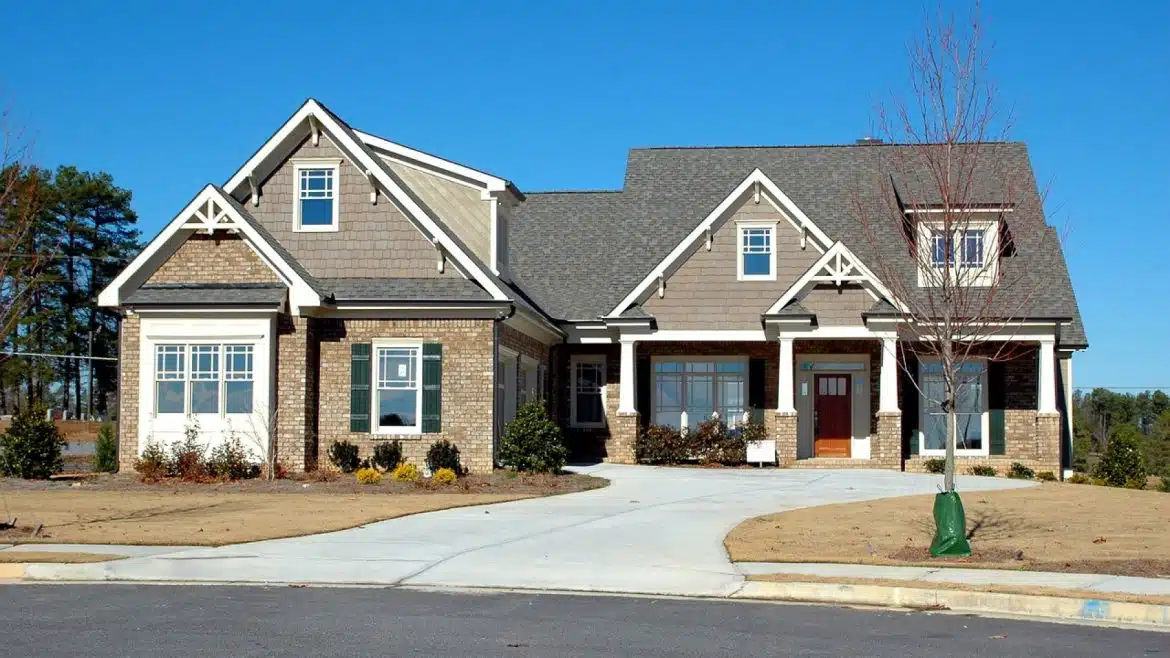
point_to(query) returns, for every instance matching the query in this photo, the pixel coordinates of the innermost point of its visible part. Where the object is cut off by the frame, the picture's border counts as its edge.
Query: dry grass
(1053, 527)
(55, 557)
(1001, 589)
(78, 516)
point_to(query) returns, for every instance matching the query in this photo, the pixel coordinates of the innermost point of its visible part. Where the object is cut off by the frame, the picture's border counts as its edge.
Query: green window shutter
(359, 387)
(757, 379)
(995, 401)
(644, 390)
(432, 388)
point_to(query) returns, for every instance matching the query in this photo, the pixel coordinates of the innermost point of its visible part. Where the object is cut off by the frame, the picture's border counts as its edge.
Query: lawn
(121, 510)
(1053, 527)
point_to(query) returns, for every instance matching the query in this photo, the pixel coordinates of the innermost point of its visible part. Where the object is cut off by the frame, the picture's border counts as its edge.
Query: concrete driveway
(653, 531)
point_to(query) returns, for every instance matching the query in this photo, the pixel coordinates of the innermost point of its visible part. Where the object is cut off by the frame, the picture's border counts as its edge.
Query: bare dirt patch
(55, 557)
(1053, 527)
(118, 509)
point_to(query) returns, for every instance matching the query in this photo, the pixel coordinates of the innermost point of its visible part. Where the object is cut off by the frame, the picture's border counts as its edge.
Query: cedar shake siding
(835, 306)
(218, 258)
(372, 241)
(459, 206)
(704, 292)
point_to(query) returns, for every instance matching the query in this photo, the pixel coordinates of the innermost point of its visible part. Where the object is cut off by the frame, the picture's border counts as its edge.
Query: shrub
(443, 455)
(1078, 478)
(188, 456)
(344, 455)
(1164, 484)
(387, 455)
(405, 472)
(660, 444)
(368, 475)
(983, 469)
(935, 465)
(715, 443)
(1122, 460)
(105, 455)
(1018, 471)
(1135, 483)
(444, 476)
(1046, 476)
(532, 442)
(230, 460)
(154, 464)
(31, 448)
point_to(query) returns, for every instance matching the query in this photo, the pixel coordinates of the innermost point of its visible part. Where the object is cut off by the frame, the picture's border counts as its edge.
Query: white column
(889, 378)
(787, 395)
(626, 382)
(1046, 396)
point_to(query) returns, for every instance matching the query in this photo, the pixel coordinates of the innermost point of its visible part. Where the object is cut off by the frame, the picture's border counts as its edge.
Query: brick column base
(1048, 441)
(623, 437)
(885, 449)
(785, 423)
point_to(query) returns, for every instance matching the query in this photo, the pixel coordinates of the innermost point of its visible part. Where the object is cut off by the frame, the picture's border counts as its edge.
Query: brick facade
(218, 258)
(885, 447)
(297, 350)
(786, 438)
(468, 386)
(128, 391)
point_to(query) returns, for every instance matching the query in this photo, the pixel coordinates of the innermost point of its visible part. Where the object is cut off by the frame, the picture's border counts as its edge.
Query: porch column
(626, 382)
(889, 377)
(786, 401)
(1046, 396)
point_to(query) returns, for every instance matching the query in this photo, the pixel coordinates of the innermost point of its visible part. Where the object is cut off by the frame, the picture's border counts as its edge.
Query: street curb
(12, 571)
(991, 603)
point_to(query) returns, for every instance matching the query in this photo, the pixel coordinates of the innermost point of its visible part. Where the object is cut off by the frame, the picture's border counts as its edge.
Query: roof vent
(869, 141)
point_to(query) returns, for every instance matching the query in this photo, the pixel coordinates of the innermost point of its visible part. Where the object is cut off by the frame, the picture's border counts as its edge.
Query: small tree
(31, 448)
(105, 456)
(261, 433)
(1122, 462)
(533, 442)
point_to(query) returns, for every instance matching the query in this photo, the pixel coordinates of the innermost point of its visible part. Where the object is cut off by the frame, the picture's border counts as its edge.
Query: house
(340, 286)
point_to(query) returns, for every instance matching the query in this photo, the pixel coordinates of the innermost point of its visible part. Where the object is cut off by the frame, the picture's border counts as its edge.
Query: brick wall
(297, 349)
(218, 258)
(468, 386)
(128, 391)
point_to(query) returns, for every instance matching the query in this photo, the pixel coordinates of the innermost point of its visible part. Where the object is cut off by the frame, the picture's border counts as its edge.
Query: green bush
(1078, 478)
(937, 466)
(1018, 471)
(230, 460)
(154, 464)
(1122, 461)
(982, 469)
(1135, 483)
(105, 455)
(344, 455)
(31, 448)
(1164, 484)
(387, 455)
(1046, 476)
(443, 454)
(532, 442)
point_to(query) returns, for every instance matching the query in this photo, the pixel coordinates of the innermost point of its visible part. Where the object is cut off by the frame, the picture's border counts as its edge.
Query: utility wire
(59, 356)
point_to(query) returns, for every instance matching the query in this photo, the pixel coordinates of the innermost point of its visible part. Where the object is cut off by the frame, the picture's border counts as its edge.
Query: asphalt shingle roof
(201, 294)
(579, 253)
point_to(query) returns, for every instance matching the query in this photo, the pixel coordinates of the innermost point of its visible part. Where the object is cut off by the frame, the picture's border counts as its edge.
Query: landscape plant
(1122, 461)
(443, 455)
(31, 447)
(533, 442)
(405, 472)
(387, 455)
(982, 469)
(105, 455)
(1018, 471)
(444, 476)
(368, 475)
(344, 455)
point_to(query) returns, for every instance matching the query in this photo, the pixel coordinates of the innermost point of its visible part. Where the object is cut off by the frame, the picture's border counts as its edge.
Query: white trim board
(208, 211)
(366, 161)
(431, 163)
(843, 266)
(755, 183)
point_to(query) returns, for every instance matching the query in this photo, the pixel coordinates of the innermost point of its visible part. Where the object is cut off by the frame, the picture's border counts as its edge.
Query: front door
(833, 415)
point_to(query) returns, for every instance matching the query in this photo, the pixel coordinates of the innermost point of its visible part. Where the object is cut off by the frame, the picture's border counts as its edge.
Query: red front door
(833, 405)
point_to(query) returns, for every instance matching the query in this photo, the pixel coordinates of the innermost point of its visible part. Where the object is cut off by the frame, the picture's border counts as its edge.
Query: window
(397, 396)
(700, 388)
(757, 256)
(971, 249)
(941, 249)
(969, 243)
(970, 409)
(220, 377)
(316, 200)
(588, 391)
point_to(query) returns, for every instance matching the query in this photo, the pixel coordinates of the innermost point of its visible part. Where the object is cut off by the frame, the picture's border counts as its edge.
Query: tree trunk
(952, 436)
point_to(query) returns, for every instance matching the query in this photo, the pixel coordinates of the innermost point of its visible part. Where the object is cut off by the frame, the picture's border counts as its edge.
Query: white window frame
(574, 361)
(985, 273)
(189, 377)
(375, 372)
(655, 360)
(305, 164)
(741, 229)
(985, 416)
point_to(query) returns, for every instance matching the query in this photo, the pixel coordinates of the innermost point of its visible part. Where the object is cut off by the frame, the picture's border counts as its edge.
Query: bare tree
(960, 215)
(261, 432)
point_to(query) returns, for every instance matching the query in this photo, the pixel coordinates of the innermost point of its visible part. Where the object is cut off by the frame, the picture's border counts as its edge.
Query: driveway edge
(990, 603)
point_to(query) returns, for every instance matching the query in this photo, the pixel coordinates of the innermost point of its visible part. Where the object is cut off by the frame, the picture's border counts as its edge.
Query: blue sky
(552, 94)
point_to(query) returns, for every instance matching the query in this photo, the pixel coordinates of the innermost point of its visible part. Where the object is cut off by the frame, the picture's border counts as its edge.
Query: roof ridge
(575, 192)
(803, 146)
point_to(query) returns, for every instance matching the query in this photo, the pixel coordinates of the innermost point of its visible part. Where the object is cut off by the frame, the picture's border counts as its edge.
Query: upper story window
(966, 250)
(316, 201)
(970, 248)
(757, 252)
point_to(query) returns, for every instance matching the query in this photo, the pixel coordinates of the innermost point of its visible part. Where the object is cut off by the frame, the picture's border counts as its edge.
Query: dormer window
(968, 252)
(316, 200)
(970, 248)
(757, 253)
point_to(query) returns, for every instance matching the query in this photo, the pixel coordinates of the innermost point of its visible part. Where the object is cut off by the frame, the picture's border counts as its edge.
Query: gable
(373, 240)
(461, 206)
(835, 307)
(217, 258)
(705, 293)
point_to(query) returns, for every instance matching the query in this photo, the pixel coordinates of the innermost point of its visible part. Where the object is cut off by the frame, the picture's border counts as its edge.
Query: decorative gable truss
(758, 187)
(212, 210)
(837, 266)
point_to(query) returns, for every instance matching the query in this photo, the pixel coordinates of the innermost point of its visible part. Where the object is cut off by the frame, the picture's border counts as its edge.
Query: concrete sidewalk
(925, 576)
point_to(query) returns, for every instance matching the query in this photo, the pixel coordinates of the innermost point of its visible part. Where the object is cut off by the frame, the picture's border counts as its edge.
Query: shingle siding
(838, 306)
(705, 293)
(459, 206)
(372, 240)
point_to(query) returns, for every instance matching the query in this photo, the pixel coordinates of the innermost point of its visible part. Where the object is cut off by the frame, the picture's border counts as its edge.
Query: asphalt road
(156, 620)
